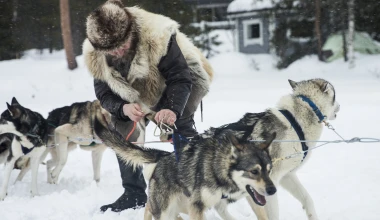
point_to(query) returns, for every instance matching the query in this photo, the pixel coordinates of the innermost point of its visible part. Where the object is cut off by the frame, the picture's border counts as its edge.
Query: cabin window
(253, 32)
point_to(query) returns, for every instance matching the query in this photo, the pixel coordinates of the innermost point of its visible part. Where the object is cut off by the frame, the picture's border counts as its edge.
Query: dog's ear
(293, 84)
(268, 142)
(14, 101)
(13, 110)
(326, 87)
(235, 142)
(10, 109)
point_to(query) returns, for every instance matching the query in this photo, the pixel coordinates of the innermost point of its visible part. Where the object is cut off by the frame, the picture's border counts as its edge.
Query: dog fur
(29, 135)
(71, 126)
(322, 93)
(62, 131)
(207, 169)
(21, 164)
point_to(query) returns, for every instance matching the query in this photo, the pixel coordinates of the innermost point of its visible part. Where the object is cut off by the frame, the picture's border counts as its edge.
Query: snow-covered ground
(342, 179)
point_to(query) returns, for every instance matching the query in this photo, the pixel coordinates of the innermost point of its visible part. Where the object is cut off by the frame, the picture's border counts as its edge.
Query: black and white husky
(29, 140)
(33, 137)
(21, 164)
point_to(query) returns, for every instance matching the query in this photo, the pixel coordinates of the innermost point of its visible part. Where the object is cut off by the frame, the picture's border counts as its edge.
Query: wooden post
(66, 34)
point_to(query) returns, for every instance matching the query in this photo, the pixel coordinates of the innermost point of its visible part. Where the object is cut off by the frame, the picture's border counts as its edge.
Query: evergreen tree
(367, 17)
(10, 47)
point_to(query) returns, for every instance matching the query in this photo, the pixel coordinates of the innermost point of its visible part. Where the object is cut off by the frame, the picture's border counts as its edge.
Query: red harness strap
(131, 132)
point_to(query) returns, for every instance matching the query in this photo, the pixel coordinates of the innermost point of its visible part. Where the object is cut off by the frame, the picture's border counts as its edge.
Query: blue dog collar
(316, 110)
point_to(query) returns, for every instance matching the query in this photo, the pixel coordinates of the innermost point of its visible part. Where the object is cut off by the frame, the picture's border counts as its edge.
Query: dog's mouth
(259, 199)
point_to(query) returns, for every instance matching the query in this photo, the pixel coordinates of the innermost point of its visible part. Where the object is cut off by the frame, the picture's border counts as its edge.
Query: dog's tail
(130, 153)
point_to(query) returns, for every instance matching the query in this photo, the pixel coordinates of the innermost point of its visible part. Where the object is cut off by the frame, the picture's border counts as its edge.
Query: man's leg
(134, 185)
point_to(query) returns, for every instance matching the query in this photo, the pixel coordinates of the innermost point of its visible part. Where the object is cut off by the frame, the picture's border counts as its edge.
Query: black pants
(132, 180)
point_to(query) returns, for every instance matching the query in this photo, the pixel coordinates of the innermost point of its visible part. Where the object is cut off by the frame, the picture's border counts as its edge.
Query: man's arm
(175, 70)
(109, 100)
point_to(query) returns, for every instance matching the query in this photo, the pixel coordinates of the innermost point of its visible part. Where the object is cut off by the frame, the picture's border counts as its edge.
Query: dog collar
(313, 106)
(298, 130)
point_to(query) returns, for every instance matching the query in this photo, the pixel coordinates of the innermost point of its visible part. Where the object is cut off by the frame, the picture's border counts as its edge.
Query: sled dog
(205, 170)
(71, 126)
(29, 141)
(62, 131)
(21, 164)
(298, 116)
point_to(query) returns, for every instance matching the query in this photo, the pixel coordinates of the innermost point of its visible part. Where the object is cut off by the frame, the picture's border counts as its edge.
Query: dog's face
(321, 92)
(252, 169)
(16, 119)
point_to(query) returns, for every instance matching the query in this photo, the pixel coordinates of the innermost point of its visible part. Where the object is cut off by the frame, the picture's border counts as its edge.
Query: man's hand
(133, 111)
(166, 116)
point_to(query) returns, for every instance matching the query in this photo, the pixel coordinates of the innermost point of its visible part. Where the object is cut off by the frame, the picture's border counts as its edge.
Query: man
(142, 63)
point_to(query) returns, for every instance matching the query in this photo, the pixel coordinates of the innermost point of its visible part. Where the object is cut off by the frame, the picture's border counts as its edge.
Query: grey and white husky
(70, 126)
(206, 170)
(298, 115)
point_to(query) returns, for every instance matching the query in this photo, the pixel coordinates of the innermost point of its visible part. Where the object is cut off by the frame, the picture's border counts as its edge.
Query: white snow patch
(243, 83)
(250, 5)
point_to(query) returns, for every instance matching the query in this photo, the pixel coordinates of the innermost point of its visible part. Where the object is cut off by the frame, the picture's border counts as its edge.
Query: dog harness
(297, 126)
(298, 130)
(178, 142)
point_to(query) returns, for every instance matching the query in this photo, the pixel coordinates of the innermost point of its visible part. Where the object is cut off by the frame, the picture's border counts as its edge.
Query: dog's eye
(255, 172)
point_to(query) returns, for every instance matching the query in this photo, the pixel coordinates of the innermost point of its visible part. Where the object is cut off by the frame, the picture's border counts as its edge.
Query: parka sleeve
(175, 70)
(109, 100)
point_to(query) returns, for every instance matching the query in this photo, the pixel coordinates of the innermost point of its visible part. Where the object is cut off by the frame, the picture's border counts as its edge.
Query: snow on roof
(250, 5)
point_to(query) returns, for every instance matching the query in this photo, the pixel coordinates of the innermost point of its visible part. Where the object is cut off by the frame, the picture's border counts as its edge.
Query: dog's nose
(271, 190)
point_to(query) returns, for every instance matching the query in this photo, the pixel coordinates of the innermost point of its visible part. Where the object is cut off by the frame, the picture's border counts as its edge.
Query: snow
(341, 178)
(249, 5)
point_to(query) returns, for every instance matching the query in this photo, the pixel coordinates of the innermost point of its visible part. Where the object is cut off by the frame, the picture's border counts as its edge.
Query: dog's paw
(54, 175)
(53, 179)
(312, 217)
(2, 196)
(50, 180)
(34, 194)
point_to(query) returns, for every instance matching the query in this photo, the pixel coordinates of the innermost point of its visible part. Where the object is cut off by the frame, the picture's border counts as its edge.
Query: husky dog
(64, 128)
(71, 126)
(22, 163)
(5, 144)
(298, 116)
(206, 169)
(29, 140)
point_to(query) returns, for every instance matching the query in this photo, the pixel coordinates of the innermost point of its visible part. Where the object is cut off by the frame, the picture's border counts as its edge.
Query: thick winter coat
(166, 69)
